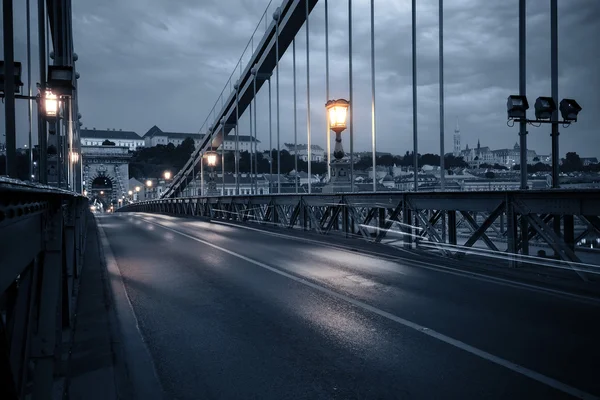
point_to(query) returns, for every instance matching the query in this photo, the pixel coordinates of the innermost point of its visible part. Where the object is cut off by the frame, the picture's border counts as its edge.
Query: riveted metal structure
(490, 218)
(42, 240)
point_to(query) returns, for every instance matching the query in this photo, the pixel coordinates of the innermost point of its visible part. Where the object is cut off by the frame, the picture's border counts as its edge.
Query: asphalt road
(231, 313)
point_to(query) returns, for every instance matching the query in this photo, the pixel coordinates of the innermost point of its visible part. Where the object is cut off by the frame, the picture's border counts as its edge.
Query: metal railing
(503, 225)
(42, 239)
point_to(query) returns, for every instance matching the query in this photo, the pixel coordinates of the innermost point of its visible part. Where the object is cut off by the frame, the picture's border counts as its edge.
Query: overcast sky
(164, 62)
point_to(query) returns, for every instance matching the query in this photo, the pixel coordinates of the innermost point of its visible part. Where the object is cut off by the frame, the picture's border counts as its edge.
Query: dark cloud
(164, 62)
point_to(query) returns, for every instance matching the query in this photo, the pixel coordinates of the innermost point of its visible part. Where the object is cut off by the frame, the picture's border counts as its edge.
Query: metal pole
(70, 161)
(441, 68)
(202, 175)
(255, 137)
(223, 165)
(237, 135)
(522, 90)
(277, 95)
(251, 141)
(327, 134)
(351, 98)
(270, 141)
(373, 132)
(9, 92)
(554, 90)
(30, 101)
(295, 113)
(308, 146)
(414, 95)
(42, 127)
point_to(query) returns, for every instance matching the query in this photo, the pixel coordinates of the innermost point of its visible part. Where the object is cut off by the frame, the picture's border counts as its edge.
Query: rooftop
(109, 134)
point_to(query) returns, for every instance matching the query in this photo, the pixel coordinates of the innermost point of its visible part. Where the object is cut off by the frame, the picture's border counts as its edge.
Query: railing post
(45, 339)
(511, 227)
(69, 258)
(381, 220)
(452, 227)
(406, 223)
(569, 228)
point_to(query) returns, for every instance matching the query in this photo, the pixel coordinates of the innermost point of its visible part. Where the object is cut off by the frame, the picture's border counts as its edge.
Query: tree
(108, 143)
(429, 159)
(572, 163)
(536, 159)
(490, 175)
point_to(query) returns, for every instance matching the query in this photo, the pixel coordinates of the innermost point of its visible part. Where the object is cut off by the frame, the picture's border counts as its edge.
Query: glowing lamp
(50, 104)
(211, 158)
(337, 111)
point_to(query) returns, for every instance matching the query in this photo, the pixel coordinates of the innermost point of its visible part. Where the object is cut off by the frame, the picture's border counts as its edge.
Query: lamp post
(337, 113)
(130, 193)
(545, 112)
(148, 189)
(211, 160)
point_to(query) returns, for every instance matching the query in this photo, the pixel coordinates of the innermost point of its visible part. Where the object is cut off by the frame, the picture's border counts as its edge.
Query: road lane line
(409, 324)
(430, 266)
(139, 363)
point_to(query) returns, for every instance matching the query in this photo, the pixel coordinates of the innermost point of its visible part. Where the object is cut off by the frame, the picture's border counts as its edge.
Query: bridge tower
(106, 172)
(456, 140)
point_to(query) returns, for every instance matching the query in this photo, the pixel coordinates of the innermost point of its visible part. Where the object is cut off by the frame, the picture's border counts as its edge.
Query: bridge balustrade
(42, 242)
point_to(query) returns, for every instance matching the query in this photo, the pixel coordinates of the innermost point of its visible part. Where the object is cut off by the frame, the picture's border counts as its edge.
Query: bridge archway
(102, 189)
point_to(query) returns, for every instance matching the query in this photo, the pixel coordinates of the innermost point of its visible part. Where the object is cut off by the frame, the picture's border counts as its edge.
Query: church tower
(456, 140)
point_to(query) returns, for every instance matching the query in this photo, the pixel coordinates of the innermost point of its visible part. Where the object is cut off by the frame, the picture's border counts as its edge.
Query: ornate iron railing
(451, 223)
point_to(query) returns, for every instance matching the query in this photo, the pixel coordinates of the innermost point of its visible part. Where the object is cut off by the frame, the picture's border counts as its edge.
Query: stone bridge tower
(106, 172)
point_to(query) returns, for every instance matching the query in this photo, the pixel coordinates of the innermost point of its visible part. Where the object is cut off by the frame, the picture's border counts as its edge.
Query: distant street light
(211, 160)
(167, 175)
(130, 192)
(102, 193)
(137, 188)
(149, 183)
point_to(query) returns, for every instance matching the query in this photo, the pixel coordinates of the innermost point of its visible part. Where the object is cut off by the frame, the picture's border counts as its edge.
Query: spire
(456, 130)
(478, 145)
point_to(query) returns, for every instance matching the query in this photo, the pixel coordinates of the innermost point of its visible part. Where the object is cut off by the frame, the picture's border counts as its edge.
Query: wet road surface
(232, 313)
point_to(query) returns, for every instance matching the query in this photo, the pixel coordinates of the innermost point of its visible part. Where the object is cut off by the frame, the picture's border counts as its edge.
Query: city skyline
(163, 58)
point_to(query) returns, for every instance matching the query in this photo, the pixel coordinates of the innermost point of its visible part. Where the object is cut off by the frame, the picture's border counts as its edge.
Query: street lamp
(167, 175)
(211, 159)
(50, 104)
(102, 193)
(137, 188)
(337, 112)
(149, 183)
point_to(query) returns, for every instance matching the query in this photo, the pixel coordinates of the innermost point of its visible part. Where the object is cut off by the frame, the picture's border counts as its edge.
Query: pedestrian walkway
(91, 370)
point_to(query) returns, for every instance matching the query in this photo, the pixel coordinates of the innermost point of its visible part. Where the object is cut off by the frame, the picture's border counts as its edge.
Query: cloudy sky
(164, 62)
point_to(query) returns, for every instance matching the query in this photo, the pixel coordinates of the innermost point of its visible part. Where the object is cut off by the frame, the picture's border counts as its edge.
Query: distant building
(317, 153)
(155, 136)
(589, 161)
(484, 155)
(121, 138)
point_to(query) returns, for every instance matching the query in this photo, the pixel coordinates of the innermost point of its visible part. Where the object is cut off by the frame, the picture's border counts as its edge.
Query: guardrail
(42, 239)
(435, 220)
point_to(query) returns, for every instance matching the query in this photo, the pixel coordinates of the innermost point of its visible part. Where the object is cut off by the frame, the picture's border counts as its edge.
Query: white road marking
(430, 266)
(409, 324)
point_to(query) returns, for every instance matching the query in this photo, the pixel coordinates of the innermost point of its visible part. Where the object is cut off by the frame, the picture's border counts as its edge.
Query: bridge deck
(231, 313)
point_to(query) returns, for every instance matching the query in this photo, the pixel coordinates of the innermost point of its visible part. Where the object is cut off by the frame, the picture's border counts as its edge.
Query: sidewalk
(93, 370)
